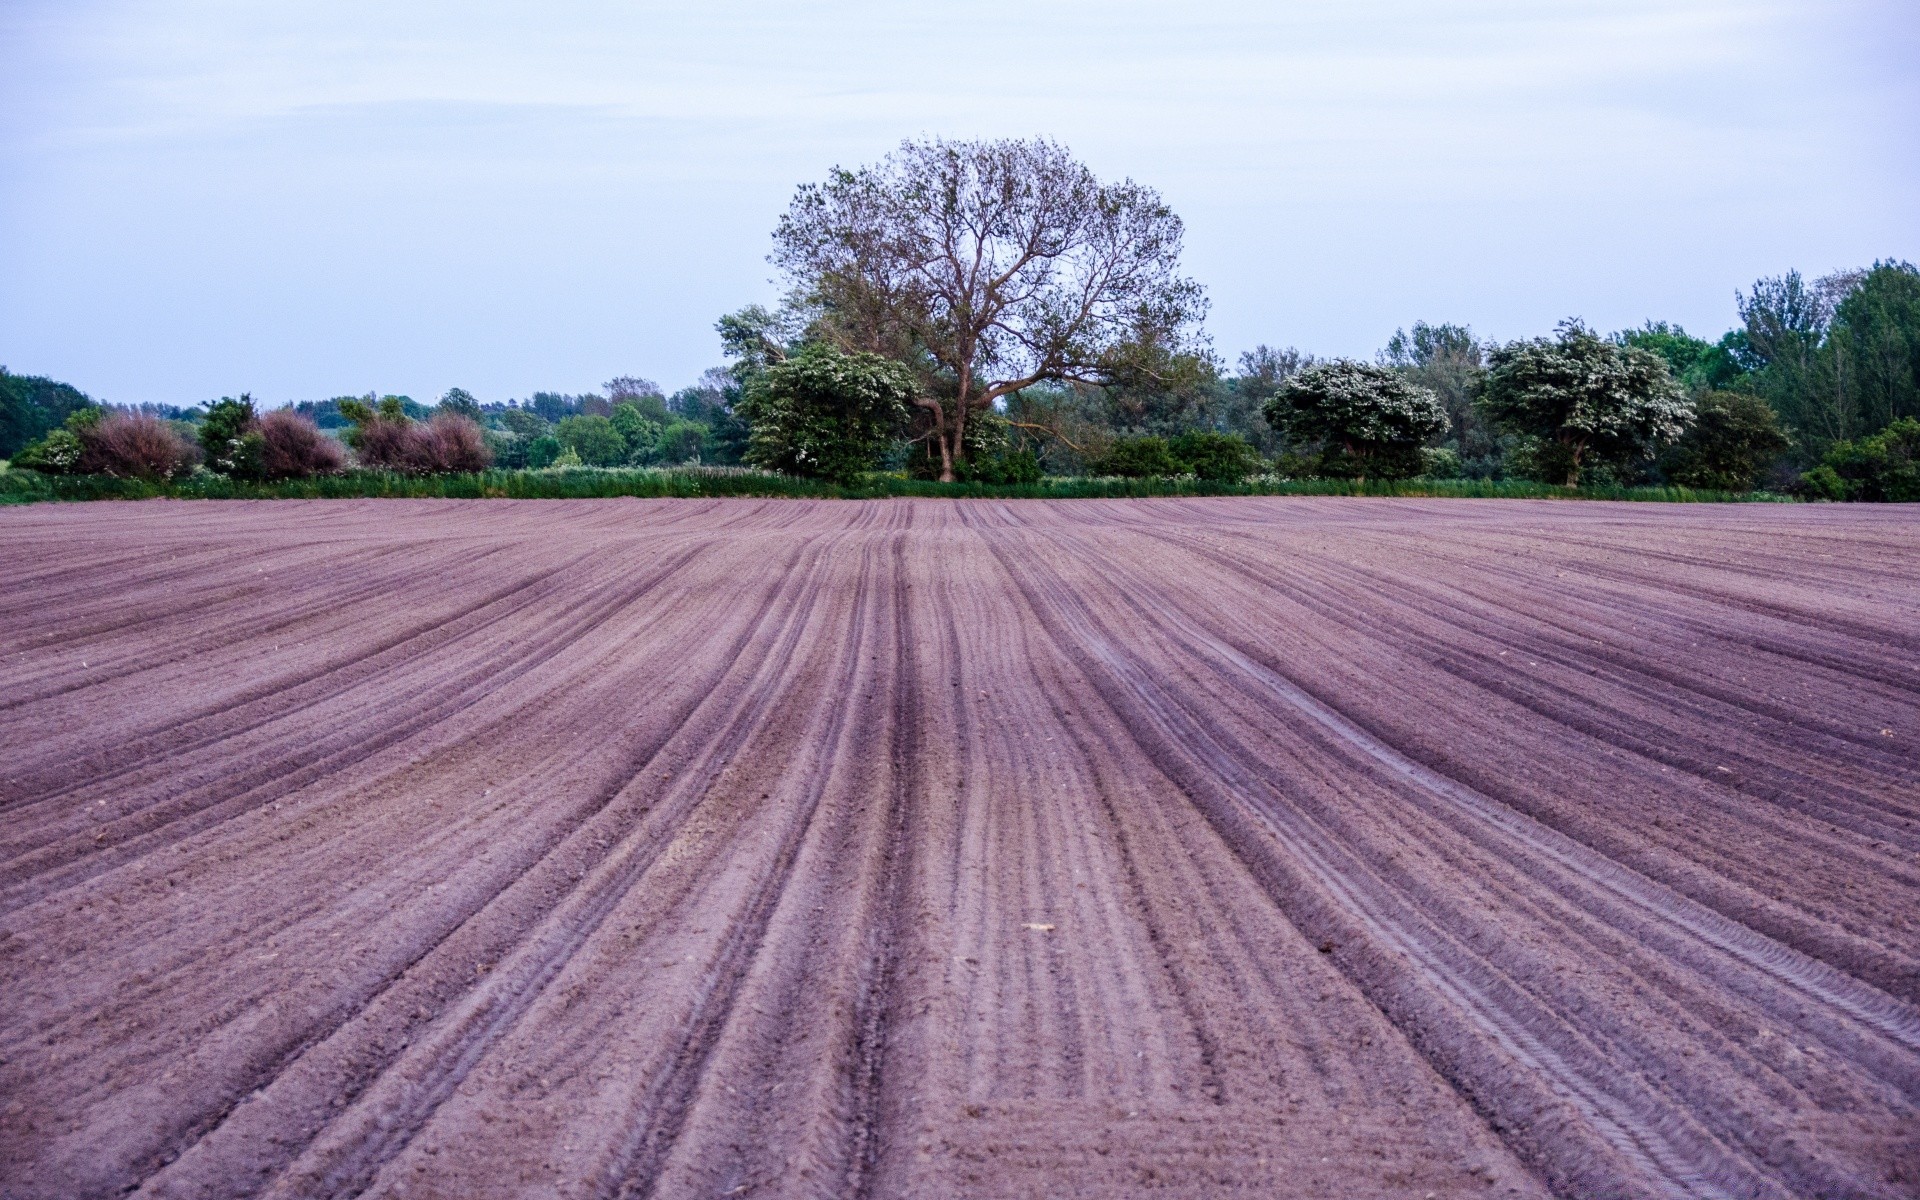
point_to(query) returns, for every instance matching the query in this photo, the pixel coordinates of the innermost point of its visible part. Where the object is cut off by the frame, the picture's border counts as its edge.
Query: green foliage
(1368, 420)
(1883, 468)
(460, 402)
(1217, 457)
(230, 436)
(640, 433)
(31, 406)
(1145, 457)
(1439, 462)
(593, 439)
(22, 486)
(58, 453)
(824, 414)
(543, 451)
(1874, 343)
(1839, 357)
(1579, 398)
(522, 423)
(1734, 438)
(1446, 360)
(681, 442)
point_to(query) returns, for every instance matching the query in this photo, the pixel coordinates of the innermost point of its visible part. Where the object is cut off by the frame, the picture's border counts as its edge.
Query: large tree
(987, 267)
(1579, 396)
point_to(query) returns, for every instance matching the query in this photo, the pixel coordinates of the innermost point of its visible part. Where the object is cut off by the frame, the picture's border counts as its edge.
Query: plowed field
(1186, 848)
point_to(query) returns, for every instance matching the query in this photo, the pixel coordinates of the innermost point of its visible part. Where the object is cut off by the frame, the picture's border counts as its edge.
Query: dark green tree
(460, 402)
(31, 406)
(1734, 438)
(1883, 468)
(594, 439)
(640, 432)
(230, 437)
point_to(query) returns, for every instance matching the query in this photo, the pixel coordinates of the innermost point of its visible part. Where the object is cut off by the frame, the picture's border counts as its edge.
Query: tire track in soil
(38, 874)
(352, 1059)
(823, 1023)
(1656, 1147)
(1871, 816)
(699, 1133)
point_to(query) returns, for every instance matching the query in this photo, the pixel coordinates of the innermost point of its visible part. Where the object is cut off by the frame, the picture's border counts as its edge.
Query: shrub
(58, 453)
(1215, 457)
(455, 444)
(135, 447)
(444, 445)
(1884, 467)
(1005, 468)
(1368, 420)
(292, 447)
(1138, 458)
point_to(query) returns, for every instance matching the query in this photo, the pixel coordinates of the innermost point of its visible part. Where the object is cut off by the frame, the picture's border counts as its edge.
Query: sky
(308, 198)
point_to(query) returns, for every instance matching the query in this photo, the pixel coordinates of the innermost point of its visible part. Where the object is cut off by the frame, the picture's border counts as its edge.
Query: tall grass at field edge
(25, 487)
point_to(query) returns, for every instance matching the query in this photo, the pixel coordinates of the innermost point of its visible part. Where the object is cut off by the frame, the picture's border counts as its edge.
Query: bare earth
(1173, 848)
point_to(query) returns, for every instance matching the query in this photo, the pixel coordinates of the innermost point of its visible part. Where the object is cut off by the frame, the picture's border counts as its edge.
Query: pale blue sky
(303, 198)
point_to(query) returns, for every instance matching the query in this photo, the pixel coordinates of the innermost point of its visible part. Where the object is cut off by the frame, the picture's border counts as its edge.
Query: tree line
(992, 312)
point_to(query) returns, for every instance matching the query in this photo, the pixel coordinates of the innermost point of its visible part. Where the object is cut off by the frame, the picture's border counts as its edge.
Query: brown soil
(1174, 848)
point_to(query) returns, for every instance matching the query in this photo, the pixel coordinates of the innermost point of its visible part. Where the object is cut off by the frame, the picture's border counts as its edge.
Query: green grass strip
(25, 487)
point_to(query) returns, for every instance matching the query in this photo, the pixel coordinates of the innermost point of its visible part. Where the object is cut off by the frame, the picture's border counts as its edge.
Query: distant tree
(1446, 360)
(552, 407)
(1580, 398)
(825, 414)
(230, 437)
(1369, 421)
(594, 439)
(1682, 351)
(544, 451)
(681, 442)
(1146, 457)
(325, 414)
(985, 268)
(1883, 468)
(1215, 457)
(460, 403)
(1240, 404)
(1873, 345)
(522, 422)
(640, 433)
(31, 406)
(1733, 439)
(1786, 320)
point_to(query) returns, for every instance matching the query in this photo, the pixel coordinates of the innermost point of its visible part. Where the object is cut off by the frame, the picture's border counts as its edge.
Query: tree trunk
(1576, 449)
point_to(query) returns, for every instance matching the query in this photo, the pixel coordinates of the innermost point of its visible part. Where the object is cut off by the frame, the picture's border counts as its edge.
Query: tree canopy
(1370, 420)
(1580, 396)
(985, 267)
